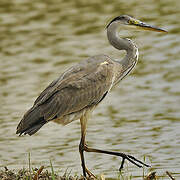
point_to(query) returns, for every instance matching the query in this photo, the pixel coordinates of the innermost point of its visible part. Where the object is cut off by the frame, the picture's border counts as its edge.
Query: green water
(39, 39)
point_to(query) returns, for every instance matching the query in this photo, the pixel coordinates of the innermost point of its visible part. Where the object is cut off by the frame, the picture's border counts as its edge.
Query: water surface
(141, 116)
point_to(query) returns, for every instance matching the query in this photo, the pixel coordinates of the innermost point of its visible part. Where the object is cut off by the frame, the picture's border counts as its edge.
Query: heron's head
(129, 22)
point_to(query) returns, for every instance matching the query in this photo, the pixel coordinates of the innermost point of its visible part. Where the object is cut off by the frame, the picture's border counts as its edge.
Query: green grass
(52, 171)
(43, 173)
(29, 163)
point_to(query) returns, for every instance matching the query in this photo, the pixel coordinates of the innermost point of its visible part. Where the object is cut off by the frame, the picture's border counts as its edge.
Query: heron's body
(92, 82)
(77, 90)
(81, 88)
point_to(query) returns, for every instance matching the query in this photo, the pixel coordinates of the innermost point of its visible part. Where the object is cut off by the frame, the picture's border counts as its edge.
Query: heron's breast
(66, 119)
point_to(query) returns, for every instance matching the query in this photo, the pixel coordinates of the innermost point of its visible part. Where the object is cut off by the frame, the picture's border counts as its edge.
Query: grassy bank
(34, 174)
(42, 173)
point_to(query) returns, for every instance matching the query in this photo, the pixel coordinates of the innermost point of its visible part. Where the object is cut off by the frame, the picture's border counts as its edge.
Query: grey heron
(81, 88)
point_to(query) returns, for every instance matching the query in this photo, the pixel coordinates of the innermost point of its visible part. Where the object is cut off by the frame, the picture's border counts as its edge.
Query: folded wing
(82, 86)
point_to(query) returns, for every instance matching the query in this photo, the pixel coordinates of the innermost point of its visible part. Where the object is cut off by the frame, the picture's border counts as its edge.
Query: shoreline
(44, 174)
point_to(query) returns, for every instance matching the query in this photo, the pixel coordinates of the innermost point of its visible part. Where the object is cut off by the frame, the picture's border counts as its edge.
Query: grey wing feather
(81, 86)
(78, 90)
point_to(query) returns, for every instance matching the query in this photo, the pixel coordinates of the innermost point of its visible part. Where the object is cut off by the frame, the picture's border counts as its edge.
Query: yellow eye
(135, 22)
(132, 21)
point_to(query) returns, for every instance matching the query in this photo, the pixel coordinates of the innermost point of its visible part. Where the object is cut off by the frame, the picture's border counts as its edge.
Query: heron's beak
(141, 25)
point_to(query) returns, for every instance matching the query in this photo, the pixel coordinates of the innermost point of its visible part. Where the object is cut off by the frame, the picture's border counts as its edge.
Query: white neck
(130, 60)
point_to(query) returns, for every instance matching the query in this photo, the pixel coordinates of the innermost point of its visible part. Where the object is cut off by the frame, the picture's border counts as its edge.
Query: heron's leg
(83, 121)
(82, 145)
(90, 174)
(130, 158)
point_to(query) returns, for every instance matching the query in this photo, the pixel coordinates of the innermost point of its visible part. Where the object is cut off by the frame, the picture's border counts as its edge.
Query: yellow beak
(142, 25)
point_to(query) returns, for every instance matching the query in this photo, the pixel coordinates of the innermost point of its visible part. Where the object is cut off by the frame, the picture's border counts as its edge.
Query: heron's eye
(123, 18)
(130, 21)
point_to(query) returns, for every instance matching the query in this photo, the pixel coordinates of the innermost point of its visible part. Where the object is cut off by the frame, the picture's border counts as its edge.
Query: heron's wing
(81, 86)
(54, 86)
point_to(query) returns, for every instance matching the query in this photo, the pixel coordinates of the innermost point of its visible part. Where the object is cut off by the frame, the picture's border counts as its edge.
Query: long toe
(90, 174)
(140, 162)
(133, 160)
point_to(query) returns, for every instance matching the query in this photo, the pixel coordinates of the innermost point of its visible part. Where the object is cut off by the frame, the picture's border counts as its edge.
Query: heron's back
(77, 89)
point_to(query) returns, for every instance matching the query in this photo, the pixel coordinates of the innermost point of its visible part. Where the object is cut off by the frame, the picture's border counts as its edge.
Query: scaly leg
(81, 151)
(130, 158)
(82, 145)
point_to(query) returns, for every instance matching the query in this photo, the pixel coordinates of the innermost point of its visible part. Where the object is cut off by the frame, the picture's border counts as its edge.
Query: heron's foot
(90, 174)
(124, 157)
(133, 160)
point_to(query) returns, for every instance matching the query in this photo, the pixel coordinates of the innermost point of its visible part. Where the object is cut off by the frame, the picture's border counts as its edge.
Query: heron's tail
(31, 122)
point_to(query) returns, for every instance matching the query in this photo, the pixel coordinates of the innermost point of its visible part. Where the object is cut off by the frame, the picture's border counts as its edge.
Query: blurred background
(39, 39)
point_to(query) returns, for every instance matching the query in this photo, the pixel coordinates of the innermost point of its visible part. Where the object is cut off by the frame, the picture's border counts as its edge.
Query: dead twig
(168, 173)
(6, 169)
(151, 176)
(38, 173)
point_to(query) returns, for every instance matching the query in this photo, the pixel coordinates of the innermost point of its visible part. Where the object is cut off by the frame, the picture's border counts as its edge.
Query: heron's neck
(123, 44)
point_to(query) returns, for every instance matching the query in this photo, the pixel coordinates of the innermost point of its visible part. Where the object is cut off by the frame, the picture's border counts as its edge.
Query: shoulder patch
(105, 62)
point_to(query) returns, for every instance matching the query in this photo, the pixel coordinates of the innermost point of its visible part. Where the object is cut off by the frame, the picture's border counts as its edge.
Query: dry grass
(43, 174)
(35, 174)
